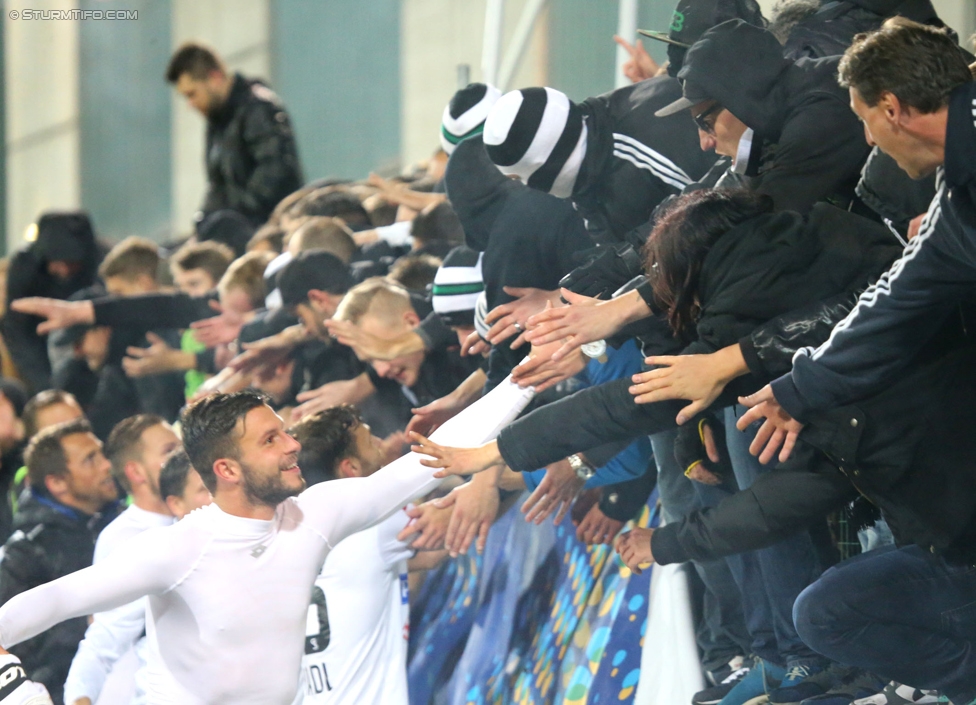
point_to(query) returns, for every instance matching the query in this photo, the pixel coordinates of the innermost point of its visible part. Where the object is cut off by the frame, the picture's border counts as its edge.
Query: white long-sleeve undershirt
(111, 634)
(228, 596)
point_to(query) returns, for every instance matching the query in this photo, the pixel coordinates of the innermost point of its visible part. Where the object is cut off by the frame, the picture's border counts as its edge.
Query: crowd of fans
(776, 226)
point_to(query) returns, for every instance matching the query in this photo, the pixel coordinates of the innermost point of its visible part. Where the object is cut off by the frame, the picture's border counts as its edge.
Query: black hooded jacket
(65, 237)
(49, 541)
(808, 145)
(252, 158)
(633, 159)
(529, 238)
(765, 267)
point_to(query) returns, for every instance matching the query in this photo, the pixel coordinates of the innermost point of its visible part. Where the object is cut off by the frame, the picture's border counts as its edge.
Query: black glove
(689, 447)
(608, 269)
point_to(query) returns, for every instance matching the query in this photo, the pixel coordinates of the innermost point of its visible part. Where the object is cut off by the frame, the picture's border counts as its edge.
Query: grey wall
(346, 124)
(124, 113)
(581, 48)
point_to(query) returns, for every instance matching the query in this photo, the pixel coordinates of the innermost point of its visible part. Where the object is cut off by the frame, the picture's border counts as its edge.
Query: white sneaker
(897, 694)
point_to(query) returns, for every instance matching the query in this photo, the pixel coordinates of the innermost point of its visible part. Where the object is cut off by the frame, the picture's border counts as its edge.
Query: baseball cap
(693, 95)
(692, 18)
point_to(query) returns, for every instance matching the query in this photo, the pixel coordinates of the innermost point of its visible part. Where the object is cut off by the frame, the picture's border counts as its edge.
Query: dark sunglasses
(702, 119)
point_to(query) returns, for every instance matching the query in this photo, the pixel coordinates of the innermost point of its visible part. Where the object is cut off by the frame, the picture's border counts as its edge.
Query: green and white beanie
(464, 116)
(457, 285)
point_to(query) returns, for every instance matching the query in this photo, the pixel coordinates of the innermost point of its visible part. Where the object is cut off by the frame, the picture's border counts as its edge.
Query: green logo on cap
(677, 22)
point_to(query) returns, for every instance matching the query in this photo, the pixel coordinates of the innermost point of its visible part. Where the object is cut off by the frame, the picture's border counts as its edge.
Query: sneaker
(858, 685)
(807, 681)
(754, 689)
(714, 695)
(897, 694)
(717, 676)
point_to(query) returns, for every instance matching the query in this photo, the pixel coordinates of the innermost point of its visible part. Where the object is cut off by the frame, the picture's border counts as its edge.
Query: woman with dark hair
(684, 235)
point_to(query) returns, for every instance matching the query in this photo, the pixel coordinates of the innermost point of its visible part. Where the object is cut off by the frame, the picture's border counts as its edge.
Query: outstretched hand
(220, 329)
(511, 318)
(159, 357)
(271, 350)
(429, 417)
(698, 378)
(428, 524)
(596, 527)
(541, 369)
(779, 430)
(58, 314)
(555, 493)
(455, 461)
(475, 508)
(582, 321)
(474, 344)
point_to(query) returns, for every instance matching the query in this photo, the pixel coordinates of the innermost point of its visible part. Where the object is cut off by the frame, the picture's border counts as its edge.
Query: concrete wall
(345, 125)
(42, 135)
(124, 119)
(960, 15)
(435, 37)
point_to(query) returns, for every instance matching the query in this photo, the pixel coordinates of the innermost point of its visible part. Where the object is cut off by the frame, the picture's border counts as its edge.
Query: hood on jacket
(832, 28)
(740, 66)
(67, 236)
(477, 191)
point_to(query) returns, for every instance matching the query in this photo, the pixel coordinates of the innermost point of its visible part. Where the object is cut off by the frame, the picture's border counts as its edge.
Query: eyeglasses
(702, 119)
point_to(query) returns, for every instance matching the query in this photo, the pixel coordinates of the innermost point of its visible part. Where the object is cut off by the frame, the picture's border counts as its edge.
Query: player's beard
(269, 490)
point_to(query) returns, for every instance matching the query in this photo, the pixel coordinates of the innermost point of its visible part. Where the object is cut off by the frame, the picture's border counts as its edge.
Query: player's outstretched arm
(150, 563)
(343, 507)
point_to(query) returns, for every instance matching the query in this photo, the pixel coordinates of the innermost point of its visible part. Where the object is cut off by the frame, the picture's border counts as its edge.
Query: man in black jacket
(72, 497)
(252, 159)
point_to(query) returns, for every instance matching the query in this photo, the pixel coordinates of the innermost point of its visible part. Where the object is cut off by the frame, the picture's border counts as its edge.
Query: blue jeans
(722, 634)
(745, 570)
(784, 569)
(901, 613)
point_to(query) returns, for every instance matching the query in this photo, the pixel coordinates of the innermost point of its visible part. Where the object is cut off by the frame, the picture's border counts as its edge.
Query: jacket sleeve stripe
(642, 164)
(882, 287)
(635, 147)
